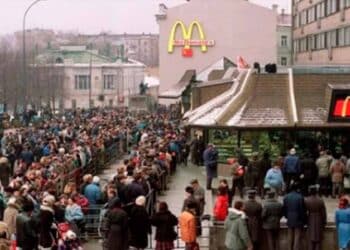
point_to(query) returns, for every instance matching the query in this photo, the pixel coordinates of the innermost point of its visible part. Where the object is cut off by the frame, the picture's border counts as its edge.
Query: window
(284, 42)
(284, 61)
(341, 38)
(320, 8)
(311, 14)
(111, 102)
(347, 3)
(82, 82)
(347, 35)
(92, 103)
(108, 81)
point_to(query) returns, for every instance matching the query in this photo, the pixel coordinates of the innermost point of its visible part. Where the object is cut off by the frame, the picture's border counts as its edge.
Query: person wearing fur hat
(46, 217)
(139, 223)
(93, 191)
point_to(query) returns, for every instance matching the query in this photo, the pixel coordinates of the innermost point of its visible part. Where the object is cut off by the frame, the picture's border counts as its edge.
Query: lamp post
(24, 53)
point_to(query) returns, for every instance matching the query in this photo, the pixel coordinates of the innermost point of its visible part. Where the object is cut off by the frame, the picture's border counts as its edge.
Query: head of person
(238, 205)
(223, 183)
(189, 190)
(251, 194)
(115, 203)
(313, 190)
(194, 183)
(343, 202)
(278, 162)
(191, 207)
(140, 201)
(163, 207)
(49, 200)
(96, 180)
(27, 206)
(87, 178)
(292, 151)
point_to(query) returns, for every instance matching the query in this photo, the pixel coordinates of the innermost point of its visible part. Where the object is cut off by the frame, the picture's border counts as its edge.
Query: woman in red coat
(221, 204)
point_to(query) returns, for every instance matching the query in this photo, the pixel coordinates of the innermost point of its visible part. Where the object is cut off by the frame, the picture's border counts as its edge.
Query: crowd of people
(37, 214)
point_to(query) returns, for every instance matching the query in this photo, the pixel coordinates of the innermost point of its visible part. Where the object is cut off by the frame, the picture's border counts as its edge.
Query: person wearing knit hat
(10, 215)
(139, 224)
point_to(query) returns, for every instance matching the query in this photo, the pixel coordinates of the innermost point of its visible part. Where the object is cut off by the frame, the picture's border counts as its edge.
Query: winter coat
(342, 221)
(237, 236)
(117, 229)
(10, 215)
(210, 158)
(294, 210)
(187, 224)
(323, 164)
(291, 165)
(164, 223)
(199, 195)
(253, 211)
(337, 170)
(140, 227)
(309, 170)
(264, 166)
(274, 178)
(271, 214)
(134, 190)
(317, 217)
(221, 207)
(46, 217)
(73, 213)
(93, 193)
(27, 238)
(5, 171)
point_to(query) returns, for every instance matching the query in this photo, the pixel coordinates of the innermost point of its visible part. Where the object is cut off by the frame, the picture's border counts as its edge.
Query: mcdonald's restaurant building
(198, 33)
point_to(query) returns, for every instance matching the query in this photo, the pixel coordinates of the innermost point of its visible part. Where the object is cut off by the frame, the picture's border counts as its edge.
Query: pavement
(175, 195)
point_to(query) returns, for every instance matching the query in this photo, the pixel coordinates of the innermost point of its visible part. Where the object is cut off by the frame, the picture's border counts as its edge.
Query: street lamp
(24, 52)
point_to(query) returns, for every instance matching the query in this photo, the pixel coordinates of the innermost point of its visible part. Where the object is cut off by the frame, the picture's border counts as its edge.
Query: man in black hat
(294, 211)
(271, 216)
(253, 210)
(317, 218)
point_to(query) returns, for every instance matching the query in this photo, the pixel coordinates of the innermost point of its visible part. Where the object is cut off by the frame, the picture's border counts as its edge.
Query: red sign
(342, 107)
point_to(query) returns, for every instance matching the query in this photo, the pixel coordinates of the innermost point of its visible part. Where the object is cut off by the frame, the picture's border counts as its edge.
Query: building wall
(126, 84)
(284, 50)
(230, 24)
(333, 29)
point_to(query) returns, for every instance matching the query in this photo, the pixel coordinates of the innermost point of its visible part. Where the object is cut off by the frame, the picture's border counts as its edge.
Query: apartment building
(321, 32)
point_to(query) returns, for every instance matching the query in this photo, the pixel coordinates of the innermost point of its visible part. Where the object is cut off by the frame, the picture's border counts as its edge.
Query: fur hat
(49, 200)
(96, 179)
(141, 200)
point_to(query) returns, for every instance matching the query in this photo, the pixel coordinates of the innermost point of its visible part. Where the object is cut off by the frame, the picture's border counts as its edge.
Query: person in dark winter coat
(253, 210)
(46, 216)
(252, 176)
(271, 215)
(291, 168)
(317, 219)
(309, 173)
(295, 213)
(27, 238)
(210, 158)
(139, 224)
(134, 189)
(116, 227)
(164, 221)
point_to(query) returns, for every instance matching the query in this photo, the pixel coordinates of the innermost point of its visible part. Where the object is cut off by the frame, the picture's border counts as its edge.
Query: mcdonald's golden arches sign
(187, 42)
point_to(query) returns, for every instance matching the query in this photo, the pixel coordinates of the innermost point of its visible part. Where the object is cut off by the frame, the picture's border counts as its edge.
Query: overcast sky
(91, 16)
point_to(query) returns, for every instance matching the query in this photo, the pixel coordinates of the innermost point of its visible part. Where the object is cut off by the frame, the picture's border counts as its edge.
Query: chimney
(283, 12)
(275, 7)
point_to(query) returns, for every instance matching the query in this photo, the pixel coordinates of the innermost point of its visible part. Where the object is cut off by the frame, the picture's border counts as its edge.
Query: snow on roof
(151, 81)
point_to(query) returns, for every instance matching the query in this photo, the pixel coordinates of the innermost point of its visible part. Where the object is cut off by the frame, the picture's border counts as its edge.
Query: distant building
(114, 80)
(321, 32)
(141, 47)
(284, 38)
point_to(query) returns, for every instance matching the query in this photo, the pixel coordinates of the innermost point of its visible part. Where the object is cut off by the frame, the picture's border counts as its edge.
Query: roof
(273, 101)
(284, 20)
(176, 91)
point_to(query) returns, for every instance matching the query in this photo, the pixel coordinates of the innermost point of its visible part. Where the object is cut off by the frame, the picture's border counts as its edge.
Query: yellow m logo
(345, 106)
(187, 41)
